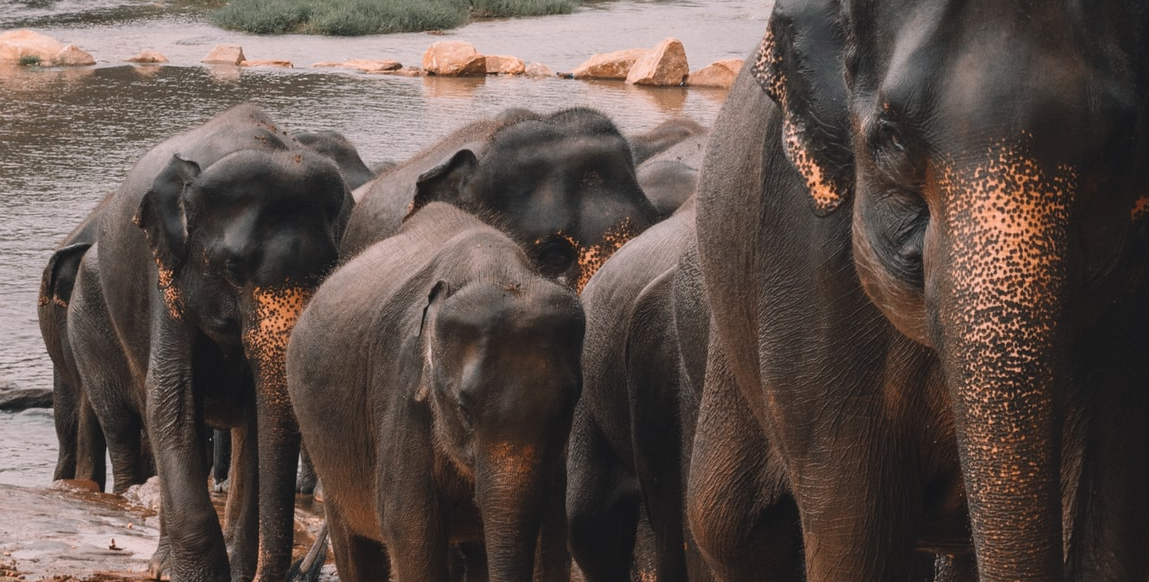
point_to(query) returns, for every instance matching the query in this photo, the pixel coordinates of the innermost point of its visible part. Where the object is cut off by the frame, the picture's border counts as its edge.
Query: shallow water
(68, 136)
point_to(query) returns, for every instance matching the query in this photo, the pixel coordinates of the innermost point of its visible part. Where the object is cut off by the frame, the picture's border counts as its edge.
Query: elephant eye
(555, 255)
(889, 136)
(233, 273)
(893, 152)
(465, 413)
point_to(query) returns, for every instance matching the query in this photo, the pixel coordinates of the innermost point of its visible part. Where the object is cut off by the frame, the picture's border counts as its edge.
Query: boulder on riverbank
(538, 70)
(454, 58)
(612, 65)
(720, 74)
(364, 65)
(225, 54)
(504, 65)
(28, 47)
(280, 64)
(664, 65)
(148, 58)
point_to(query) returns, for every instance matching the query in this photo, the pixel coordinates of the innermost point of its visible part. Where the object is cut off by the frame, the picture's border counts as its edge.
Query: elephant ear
(162, 216)
(800, 65)
(444, 183)
(435, 298)
(60, 273)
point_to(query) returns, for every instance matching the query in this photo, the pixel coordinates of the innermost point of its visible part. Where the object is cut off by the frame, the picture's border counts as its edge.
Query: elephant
(564, 176)
(336, 146)
(662, 137)
(921, 231)
(81, 442)
(453, 368)
(667, 184)
(633, 426)
(204, 258)
(668, 177)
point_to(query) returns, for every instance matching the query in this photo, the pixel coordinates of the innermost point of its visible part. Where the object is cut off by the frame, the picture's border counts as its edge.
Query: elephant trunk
(1000, 300)
(512, 492)
(265, 343)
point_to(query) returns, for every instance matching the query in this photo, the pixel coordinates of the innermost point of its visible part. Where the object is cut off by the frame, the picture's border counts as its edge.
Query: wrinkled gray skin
(80, 440)
(633, 427)
(668, 177)
(453, 368)
(179, 322)
(662, 137)
(922, 236)
(339, 149)
(667, 184)
(546, 180)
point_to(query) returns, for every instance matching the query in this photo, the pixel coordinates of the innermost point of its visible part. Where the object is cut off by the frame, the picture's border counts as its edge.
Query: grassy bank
(358, 17)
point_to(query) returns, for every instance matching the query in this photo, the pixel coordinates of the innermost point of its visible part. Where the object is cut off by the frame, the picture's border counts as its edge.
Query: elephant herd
(886, 320)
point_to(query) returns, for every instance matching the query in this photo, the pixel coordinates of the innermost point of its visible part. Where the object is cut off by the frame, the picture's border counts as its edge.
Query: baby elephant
(434, 377)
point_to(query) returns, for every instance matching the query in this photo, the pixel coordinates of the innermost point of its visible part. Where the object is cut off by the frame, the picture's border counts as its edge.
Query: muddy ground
(72, 533)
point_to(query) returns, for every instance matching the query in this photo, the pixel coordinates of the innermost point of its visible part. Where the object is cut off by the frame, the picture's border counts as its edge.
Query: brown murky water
(68, 136)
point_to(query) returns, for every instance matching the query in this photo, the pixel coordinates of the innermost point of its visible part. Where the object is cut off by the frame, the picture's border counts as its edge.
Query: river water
(69, 135)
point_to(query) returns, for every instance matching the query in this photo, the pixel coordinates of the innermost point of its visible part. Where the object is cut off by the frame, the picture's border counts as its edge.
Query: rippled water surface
(68, 136)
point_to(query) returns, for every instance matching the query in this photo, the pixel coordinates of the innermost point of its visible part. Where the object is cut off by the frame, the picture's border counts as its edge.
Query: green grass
(509, 8)
(358, 17)
(29, 61)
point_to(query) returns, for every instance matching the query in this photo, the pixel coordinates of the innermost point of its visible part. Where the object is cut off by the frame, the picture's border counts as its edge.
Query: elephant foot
(160, 566)
(221, 486)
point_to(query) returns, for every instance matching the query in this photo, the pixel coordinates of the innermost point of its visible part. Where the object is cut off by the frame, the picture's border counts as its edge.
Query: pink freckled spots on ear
(767, 70)
(1140, 209)
(826, 195)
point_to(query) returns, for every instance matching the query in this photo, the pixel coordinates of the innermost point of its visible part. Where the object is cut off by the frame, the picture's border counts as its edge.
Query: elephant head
(993, 156)
(549, 182)
(238, 243)
(502, 374)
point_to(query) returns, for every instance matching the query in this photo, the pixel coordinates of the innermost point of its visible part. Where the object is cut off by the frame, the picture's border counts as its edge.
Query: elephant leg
(221, 459)
(602, 505)
(412, 518)
(242, 511)
(122, 430)
(65, 416)
(91, 446)
(740, 511)
(106, 407)
(160, 564)
(655, 433)
(307, 480)
(357, 559)
(552, 560)
(956, 569)
(469, 563)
